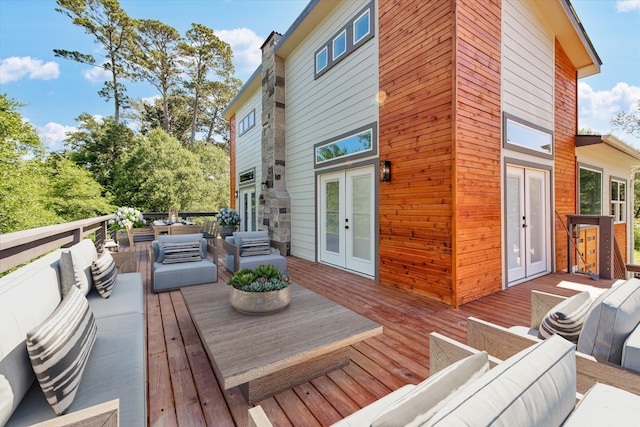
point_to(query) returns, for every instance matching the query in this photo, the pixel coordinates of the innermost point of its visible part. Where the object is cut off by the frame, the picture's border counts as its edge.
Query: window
(339, 45)
(351, 144)
(247, 122)
(346, 40)
(361, 27)
(322, 59)
(618, 200)
(521, 135)
(590, 188)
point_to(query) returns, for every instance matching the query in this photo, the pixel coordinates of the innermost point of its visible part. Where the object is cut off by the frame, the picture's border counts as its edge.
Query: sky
(56, 91)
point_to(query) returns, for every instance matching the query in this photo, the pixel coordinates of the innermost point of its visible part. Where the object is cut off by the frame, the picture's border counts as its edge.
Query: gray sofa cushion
(535, 387)
(610, 321)
(604, 405)
(117, 359)
(75, 266)
(631, 351)
(173, 276)
(127, 297)
(253, 262)
(59, 349)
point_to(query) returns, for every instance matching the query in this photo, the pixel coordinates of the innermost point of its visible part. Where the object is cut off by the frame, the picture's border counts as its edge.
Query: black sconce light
(385, 170)
(236, 194)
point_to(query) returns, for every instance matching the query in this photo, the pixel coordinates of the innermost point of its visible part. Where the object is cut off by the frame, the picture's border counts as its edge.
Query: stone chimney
(274, 210)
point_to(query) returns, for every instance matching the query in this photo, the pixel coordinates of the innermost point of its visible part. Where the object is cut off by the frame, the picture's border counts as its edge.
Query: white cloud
(53, 135)
(15, 68)
(97, 74)
(245, 45)
(627, 5)
(597, 108)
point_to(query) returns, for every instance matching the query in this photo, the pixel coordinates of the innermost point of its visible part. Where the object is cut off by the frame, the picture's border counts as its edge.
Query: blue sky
(56, 91)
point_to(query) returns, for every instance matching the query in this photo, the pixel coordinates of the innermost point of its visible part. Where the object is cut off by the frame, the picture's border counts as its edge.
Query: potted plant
(228, 219)
(124, 215)
(260, 291)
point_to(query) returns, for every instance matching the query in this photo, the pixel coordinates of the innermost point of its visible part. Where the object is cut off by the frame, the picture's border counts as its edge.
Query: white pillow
(6, 400)
(535, 387)
(430, 395)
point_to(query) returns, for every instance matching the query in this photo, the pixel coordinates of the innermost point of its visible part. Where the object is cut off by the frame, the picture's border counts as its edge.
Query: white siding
(527, 64)
(249, 145)
(337, 102)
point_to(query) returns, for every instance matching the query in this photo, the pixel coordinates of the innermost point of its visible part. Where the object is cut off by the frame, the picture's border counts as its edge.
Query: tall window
(618, 200)
(590, 187)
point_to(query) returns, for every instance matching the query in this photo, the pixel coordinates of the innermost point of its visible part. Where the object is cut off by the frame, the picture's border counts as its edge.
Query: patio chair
(250, 249)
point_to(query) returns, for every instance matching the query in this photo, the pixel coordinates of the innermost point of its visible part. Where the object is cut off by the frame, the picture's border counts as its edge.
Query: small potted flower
(122, 216)
(228, 219)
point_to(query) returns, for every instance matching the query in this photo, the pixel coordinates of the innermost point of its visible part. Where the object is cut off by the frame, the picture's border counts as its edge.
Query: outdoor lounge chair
(250, 249)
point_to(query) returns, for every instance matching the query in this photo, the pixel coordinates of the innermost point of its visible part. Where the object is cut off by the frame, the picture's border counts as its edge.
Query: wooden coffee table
(267, 354)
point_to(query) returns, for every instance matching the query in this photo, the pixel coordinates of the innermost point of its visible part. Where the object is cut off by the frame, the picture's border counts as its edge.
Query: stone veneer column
(274, 209)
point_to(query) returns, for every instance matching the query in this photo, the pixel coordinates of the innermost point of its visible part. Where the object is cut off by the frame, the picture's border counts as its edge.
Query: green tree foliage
(203, 54)
(36, 191)
(155, 59)
(98, 145)
(113, 30)
(73, 193)
(158, 173)
(214, 164)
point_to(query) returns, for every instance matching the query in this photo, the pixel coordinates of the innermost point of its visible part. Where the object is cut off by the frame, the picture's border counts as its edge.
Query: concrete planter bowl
(258, 303)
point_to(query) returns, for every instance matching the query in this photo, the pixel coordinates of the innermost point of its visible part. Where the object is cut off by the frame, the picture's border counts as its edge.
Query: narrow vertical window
(361, 27)
(618, 200)
(340, 45)
(322, 59)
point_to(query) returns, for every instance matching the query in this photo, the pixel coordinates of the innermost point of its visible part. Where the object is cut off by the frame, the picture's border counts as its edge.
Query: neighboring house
(471, 104)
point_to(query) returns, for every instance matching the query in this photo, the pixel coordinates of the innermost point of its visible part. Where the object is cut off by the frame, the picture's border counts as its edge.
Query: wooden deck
(183, 389)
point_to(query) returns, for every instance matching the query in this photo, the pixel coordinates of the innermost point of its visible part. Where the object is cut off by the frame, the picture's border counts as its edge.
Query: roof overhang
(609, 141)
(570, 33)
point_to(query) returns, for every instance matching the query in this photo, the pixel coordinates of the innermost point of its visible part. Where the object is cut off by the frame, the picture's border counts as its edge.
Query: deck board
(183, 390)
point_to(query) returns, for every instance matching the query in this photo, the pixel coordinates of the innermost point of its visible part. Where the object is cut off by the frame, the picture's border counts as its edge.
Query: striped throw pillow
(59, 349)
(257, 246)
(181, 252)
(104, 272)
(566, 319)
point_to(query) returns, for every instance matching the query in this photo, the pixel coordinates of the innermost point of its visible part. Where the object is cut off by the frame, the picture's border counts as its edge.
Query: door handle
(346, 227)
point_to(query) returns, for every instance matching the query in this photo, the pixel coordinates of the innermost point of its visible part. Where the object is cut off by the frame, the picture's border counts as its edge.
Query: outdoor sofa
(535, 387)
(608, 344)
(250, 249)
(55, 300)
(181, 260)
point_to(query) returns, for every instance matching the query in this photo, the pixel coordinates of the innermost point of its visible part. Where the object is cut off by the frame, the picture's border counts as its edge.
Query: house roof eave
(610, 141)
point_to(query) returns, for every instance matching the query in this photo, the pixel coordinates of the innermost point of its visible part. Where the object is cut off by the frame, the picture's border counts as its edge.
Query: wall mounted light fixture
(236, 194)
(385, 170)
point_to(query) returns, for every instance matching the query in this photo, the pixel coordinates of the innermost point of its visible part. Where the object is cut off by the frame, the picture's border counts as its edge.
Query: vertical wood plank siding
(565, 170)
(477, 244)
(433, 138)
(415, 208)
(620, 231)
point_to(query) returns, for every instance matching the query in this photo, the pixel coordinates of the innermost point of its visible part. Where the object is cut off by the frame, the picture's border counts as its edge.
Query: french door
(346, 219)
(248, 209)
(528, 233)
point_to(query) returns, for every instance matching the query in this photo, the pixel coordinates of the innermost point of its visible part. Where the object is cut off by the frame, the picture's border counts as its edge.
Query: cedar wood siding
(477, 223)
(232, 162)
(416, 208)
(620, 231)
(440, 225)
(565, 170)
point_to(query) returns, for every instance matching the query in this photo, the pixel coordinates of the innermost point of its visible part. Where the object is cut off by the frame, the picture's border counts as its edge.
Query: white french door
(346, 219)
(248, 209)
(528, 233)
